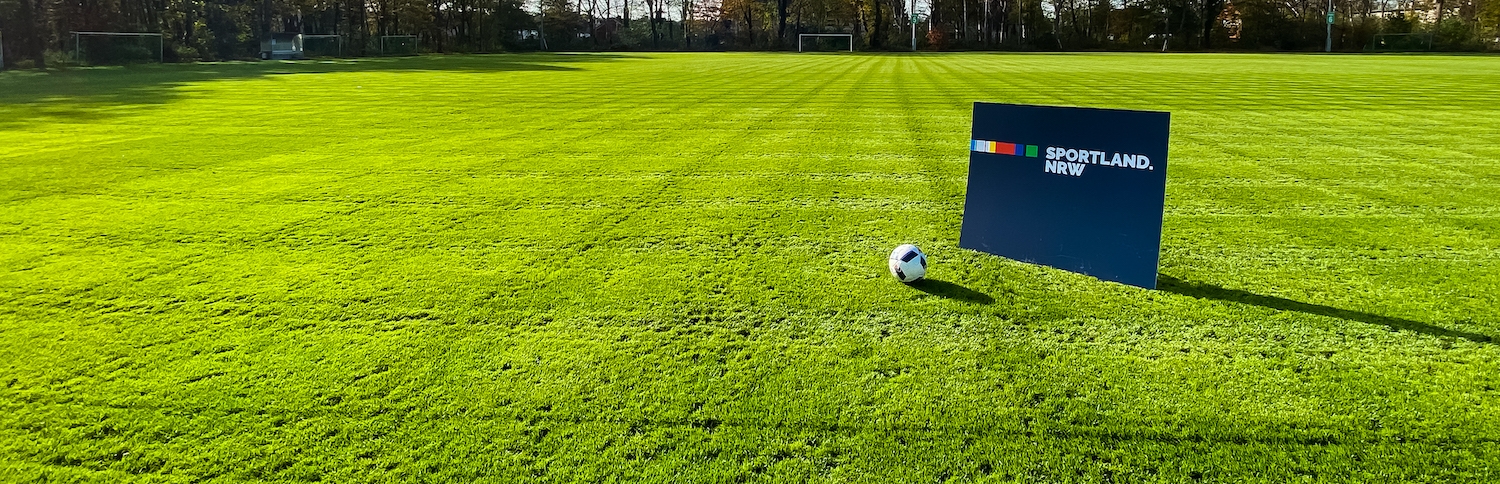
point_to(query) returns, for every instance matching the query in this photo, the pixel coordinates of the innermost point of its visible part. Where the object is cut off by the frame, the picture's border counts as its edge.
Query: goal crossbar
(802, 36)
(77, 51)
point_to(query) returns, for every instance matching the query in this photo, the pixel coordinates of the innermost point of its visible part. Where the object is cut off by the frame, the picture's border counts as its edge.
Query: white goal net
(398, 45)
(104, 48)
(815, 42)
(318, 45)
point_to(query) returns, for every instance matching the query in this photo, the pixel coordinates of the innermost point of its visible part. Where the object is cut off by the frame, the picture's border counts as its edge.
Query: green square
(1031, 151)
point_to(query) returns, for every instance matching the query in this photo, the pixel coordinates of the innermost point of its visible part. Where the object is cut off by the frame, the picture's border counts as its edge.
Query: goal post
(398, 45)
(801, 37)
(119, 52)
(323, 45)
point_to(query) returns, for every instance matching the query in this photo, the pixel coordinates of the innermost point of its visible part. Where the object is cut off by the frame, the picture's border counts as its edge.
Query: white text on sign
(1069, 161)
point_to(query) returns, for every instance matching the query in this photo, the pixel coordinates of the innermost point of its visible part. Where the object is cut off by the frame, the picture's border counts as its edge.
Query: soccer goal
(817, 40)
(96, 48)
(319, 45)
(398, 45)
(1401, 42)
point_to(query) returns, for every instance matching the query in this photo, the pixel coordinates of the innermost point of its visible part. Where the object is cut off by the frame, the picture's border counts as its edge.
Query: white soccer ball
(908, 263)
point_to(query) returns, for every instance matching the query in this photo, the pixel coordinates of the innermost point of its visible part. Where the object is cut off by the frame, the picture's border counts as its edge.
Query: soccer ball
(908, 263)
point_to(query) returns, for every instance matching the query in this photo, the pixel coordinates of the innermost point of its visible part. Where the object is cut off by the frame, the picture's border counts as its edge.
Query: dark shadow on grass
(1209, 291)
(1223, 430)
(951, 291)
(94, 93)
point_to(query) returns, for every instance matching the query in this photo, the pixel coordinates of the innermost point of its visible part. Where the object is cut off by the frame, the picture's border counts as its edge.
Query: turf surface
(655, 267)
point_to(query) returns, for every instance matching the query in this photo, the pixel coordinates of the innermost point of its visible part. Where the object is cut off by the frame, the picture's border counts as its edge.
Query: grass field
(657, 267)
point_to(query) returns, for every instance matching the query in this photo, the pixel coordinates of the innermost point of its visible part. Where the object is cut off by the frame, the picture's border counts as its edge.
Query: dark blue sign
(1073, 188)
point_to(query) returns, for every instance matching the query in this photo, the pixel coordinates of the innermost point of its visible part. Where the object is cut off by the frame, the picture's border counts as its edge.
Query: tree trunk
(1211, 10)
(36, 38)
(440, 24)
(687, 36)
(594, 21)
(877, 37)
(985, 26)
(265, 22)
(781, 7)
(362, 26)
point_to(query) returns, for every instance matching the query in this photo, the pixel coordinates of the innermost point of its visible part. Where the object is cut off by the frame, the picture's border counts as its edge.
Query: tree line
(36, 33)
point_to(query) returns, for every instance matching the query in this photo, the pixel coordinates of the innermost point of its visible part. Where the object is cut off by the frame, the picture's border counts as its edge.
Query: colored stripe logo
(1002, 148)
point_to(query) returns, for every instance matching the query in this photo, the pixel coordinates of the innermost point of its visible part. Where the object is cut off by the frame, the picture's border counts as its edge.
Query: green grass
(656, 267)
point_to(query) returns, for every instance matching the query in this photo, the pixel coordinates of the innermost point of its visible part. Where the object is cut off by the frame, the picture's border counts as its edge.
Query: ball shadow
(951, 291)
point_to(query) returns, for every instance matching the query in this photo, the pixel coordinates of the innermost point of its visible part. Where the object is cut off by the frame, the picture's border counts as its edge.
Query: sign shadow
(951, 291)
(1209, 291)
